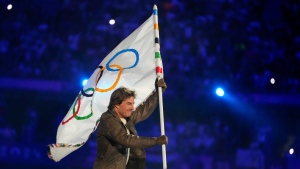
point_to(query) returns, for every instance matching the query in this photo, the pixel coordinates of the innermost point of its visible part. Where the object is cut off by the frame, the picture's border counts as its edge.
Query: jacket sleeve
(117, 132)
(145, 109)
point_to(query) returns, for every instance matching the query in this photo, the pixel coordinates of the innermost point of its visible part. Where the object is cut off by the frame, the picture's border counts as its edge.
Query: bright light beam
(84, 82)
(220, 92)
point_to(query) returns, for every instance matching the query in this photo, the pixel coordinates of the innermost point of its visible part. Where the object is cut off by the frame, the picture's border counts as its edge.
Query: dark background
(48, 47)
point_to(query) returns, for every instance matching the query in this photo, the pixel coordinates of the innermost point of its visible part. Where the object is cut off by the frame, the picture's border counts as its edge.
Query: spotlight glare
(291, 151)
(9, 6)
(272, 80)
(84, 82)
(112, 22)
(220, 92)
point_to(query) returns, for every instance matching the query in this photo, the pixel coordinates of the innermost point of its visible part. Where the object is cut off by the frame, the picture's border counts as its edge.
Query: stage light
(272, 80)
(84, 82)
(291, 151)
(112, 22)
(9, 6)
(220, 92)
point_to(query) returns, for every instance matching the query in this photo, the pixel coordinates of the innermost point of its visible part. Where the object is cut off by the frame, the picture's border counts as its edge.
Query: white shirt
(128, 149)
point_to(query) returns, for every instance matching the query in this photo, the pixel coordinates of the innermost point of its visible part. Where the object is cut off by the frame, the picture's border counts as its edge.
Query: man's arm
(116, 131)
(144, 110)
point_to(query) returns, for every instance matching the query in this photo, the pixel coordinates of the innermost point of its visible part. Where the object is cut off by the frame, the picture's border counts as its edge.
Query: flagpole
(159, 73)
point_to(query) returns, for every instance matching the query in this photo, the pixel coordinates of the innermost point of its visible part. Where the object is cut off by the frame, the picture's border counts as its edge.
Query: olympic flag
(134, 63)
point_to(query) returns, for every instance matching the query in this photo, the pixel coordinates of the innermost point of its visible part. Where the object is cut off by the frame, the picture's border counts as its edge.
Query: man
(118, 144)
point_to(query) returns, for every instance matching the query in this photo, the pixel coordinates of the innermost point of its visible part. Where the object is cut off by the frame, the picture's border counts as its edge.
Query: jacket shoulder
(108, 118)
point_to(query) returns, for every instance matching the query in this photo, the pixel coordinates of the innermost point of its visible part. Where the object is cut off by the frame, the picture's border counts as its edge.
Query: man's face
(125, 108)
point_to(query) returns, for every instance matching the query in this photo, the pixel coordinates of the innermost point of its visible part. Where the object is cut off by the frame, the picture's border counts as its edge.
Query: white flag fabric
(131, 64)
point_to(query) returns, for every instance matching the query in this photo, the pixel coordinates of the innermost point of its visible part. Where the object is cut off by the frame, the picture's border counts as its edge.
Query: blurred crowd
(197, 136)
(203, 43)
(240, 44)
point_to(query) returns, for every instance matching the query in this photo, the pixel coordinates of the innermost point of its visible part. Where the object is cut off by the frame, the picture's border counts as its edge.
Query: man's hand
(161, 83)
(162, 140)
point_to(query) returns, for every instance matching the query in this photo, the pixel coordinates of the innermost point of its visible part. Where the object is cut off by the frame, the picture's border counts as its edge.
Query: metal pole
(159, 73)
(162, 127)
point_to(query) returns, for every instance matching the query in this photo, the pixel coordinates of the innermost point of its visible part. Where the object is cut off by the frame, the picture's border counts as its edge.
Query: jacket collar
(114, 113)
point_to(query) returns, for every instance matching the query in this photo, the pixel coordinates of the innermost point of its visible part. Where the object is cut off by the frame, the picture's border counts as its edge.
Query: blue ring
(120, 52)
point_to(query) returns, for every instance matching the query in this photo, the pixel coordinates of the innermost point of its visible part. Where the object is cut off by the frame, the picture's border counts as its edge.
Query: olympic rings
(79, 98)
(98, 77)
(115, 83)
(75, 112)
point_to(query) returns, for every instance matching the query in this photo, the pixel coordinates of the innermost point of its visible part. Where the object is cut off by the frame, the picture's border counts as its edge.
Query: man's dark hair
(119, 95)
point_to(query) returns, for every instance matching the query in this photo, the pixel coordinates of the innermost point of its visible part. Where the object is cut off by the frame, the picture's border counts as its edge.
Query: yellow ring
(115, 83)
